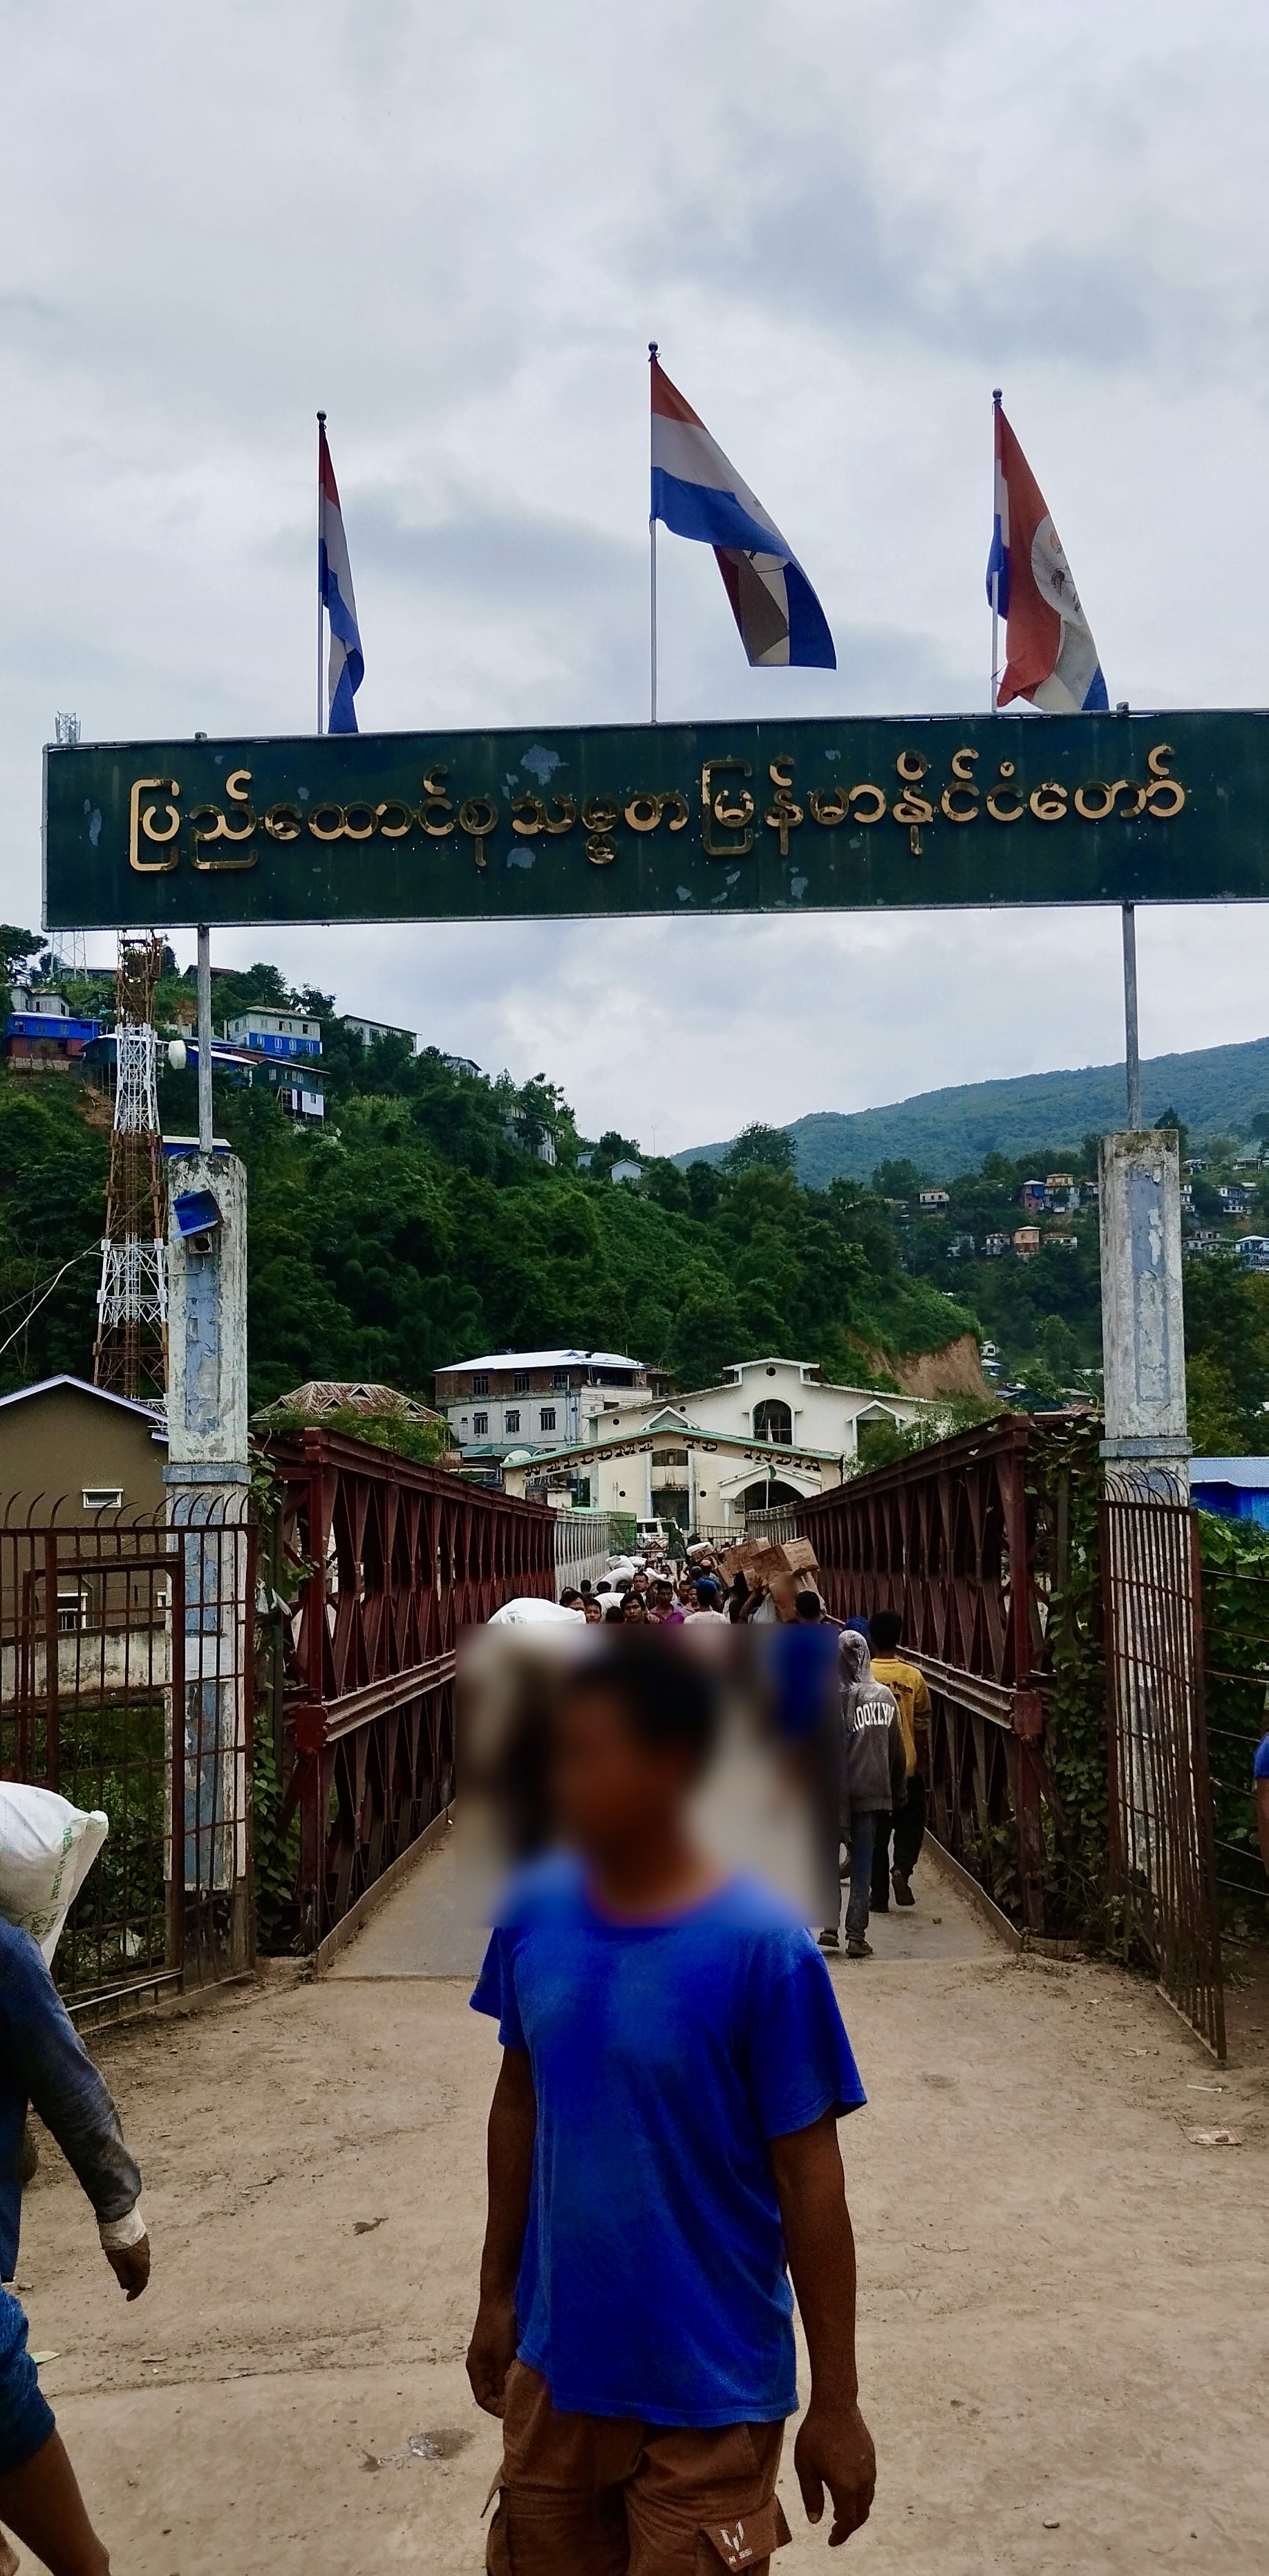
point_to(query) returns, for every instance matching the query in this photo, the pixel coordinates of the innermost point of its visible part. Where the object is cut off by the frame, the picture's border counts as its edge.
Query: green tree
(758, 1147)
(899, 1180)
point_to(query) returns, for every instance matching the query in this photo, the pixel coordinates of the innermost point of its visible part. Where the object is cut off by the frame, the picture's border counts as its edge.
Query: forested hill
(1215, 1090)
(422, 1225)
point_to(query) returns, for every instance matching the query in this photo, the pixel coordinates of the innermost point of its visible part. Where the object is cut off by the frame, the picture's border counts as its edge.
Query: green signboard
(782, 816)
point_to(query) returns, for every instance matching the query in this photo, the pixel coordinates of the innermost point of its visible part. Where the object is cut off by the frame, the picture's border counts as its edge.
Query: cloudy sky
(456, 229)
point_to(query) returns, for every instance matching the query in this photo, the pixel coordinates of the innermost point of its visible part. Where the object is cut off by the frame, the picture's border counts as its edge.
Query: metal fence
(586, 1542)
(373, 1567)
(1162, 1858)
(1236, 1697)
(125, 1686)
(950, 1539)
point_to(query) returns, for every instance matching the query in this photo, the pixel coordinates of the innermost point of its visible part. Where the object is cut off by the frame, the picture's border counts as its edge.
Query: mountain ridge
(1215, 1090)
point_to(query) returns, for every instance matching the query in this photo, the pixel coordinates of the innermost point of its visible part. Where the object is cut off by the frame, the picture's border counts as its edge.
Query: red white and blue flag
(699, 494)
(335, 590)
(1051, 658)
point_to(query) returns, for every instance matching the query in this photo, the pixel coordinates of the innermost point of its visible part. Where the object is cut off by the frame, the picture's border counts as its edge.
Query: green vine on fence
(1063, 1484)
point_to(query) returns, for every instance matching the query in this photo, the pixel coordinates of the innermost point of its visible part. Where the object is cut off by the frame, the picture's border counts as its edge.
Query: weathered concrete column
(1143, 1333)
(207, 1475)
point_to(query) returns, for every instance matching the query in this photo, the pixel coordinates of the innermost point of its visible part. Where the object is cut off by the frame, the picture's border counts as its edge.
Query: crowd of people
(853, 1686)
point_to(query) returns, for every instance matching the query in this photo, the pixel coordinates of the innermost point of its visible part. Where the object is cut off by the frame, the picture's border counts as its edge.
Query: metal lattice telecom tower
(131, 1346)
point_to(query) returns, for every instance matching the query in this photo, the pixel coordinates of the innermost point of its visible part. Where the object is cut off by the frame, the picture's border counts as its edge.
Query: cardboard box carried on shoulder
(762, 1560)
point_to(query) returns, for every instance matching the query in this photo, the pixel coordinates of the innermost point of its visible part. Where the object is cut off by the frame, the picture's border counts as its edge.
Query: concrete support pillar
(207, 1475)
(1143, 1333)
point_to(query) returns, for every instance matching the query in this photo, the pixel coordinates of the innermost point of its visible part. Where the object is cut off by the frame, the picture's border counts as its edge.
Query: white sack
(47, 1848)
(532, 1613)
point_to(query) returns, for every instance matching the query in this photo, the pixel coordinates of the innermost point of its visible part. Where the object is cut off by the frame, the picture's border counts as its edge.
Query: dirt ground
(1062, 2298)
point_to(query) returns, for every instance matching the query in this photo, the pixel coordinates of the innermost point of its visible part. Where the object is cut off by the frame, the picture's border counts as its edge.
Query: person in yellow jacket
(912, 1698)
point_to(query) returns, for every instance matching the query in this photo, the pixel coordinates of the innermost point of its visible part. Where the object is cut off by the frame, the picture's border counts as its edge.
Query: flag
(335, 590)
(1050, 654)
(698, 494)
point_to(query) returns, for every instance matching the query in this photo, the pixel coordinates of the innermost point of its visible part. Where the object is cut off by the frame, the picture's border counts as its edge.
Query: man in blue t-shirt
(662, 2155)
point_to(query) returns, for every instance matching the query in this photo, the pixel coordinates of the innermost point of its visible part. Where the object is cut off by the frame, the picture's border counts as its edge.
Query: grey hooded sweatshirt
(874, 1768)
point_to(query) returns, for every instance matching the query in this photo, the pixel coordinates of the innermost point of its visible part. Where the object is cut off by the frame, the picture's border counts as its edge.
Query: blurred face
(634, 1609)
(610, 1791)
(593, 1613)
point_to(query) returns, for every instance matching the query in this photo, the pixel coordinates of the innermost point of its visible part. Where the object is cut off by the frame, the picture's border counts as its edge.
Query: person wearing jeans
(874, 1781)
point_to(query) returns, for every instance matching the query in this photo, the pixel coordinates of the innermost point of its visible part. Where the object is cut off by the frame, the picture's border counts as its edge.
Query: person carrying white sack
(44, 2064)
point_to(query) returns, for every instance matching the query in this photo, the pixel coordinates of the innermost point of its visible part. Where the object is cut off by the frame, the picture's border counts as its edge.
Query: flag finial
(653, 346)
(996, 395)
(321, 415)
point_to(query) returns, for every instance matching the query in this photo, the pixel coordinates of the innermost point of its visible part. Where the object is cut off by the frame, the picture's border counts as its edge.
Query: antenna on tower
(131, 1344)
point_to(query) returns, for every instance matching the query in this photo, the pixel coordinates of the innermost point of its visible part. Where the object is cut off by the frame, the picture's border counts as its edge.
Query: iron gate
(125, 1686)
(1162, 1856)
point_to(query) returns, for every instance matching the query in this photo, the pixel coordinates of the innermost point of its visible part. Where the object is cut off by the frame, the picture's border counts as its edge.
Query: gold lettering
(316, 828)
(282, 823)
(910, 808)
(1162, 785)
(962, 765)
(478, 817)
(783, 814)
(139, 822)
(644, 810)
(435, 801)
(999, 812)
(880, 805)
(599, 822)
(828, 806)
(1048, 801)
(736, 816)
(236, 789)
(1107, 793)
(533, 812)
(393, 831)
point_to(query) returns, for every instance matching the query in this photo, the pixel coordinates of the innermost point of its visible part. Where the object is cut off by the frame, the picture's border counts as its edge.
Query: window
(560, 1381)
(546, 1417)
(102, 1498)
(513, 1418)
(480, 1385)
(521, 1382)
(772, 1420)
(480, 1425)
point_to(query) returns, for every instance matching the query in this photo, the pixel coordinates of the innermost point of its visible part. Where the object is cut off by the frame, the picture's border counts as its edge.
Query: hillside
(422, 1222)
(1216, 1090)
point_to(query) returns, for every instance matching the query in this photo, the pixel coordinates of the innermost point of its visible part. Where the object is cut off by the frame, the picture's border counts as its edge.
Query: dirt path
(1062, 2299)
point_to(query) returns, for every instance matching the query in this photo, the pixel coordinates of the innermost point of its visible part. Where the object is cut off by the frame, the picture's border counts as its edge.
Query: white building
(773, 1432)
(275, 1033)
(370, 1031)
(536, 1399)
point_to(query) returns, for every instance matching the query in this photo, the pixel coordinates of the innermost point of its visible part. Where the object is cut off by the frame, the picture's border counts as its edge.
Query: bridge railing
(970, 1540)
(585, 1543)
(373, 1566)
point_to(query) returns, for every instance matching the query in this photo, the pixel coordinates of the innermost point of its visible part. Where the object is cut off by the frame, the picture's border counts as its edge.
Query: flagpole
(652, 585)
(321, 425)
(995, 579)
